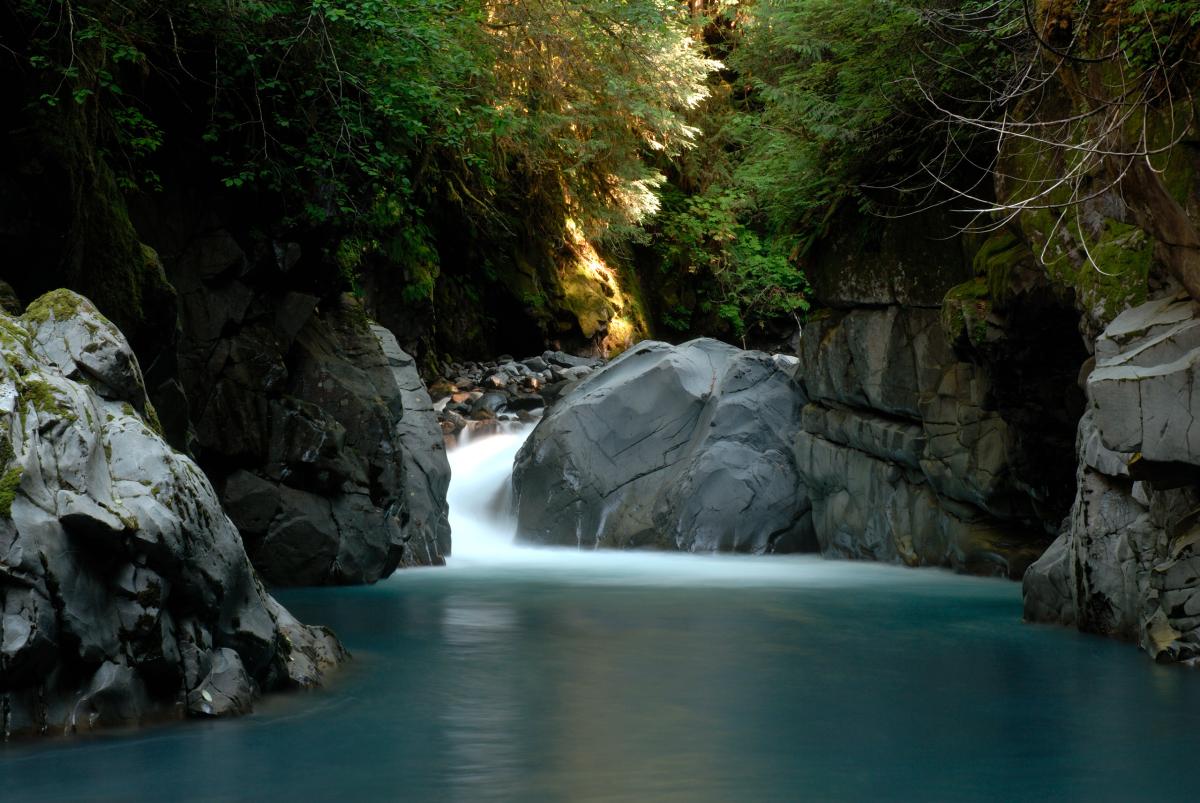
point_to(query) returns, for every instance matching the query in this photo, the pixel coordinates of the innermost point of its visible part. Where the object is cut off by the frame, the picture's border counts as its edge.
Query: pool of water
(632, 677)
(540, 675)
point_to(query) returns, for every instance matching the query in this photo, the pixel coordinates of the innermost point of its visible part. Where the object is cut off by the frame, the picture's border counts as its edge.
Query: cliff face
(1122, 564)
(312, 421)
(928, 416)
(1125, 564)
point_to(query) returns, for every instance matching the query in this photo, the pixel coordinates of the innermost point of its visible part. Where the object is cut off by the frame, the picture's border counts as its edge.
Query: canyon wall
(936, 427)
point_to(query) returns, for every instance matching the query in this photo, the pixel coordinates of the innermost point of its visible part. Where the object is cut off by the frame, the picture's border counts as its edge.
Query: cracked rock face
(125, 591)
(903, 458)
(1126, 563)
(672, 447)
(313, 424)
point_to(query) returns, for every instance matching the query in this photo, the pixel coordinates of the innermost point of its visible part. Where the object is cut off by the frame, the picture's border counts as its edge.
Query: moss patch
(965, 310)
(996, 263)
(9, 484)
(43, 397)
(60, 304)
(152, 420)
(1118, 280)
(12, 334)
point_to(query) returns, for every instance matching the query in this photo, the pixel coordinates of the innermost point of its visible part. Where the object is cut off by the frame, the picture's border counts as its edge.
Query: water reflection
(514, 683)
(482, 711)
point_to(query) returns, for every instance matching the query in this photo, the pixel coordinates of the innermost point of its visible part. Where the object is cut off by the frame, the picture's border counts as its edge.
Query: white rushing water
(484, 528)
(481, 523)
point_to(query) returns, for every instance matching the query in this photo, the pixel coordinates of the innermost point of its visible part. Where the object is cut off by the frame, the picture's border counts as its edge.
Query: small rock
(564, 360)
(536, 364)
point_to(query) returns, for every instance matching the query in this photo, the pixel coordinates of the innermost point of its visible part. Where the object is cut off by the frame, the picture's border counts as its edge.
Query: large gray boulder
(1141, 389)
(125, 592)
(672, 447)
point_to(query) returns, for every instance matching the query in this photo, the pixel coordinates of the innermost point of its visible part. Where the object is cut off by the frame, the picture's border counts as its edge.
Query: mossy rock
(61, 305)
(966, 310)
(997, 261)
(868, 261)
(1120, 276)
(590, 307)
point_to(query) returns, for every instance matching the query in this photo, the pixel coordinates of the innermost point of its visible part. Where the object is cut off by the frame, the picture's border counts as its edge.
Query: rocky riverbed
(474, 398)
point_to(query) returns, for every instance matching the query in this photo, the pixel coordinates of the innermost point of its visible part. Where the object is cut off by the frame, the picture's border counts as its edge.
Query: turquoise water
(601, 677)
(556, 675)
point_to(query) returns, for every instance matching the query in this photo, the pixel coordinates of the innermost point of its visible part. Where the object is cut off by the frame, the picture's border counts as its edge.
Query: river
(557, 675)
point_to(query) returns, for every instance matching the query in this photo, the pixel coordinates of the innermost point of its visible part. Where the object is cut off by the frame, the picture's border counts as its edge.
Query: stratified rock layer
(676, 447)
(901, 456)
(125, 591)
(1126, 562)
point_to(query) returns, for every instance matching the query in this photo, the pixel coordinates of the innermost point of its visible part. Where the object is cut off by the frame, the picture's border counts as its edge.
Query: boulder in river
(125, 591)
(673, 447)
(323, 443)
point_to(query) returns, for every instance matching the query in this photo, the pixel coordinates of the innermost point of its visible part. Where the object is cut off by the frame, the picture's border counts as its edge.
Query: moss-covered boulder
(125, 591)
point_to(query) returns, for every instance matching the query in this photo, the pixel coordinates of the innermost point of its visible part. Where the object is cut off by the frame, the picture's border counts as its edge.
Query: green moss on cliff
(12, 334)
(152, 420)
(585, 301)
(996, 263)
(10, 482)
(41, 395)
(965, 310)
(1118, 279)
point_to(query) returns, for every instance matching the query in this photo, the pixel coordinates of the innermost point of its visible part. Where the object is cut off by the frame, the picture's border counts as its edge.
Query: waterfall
(481, 518)
(483, 528)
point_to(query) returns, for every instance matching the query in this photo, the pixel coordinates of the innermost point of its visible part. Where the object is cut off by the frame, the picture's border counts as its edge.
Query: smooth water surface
(533, 675)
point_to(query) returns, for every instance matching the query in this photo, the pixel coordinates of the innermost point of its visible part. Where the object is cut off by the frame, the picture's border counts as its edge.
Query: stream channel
(558, 675)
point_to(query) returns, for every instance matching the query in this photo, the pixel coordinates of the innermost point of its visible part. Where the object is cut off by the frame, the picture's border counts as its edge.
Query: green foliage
(836, 108)
(749, 279)
(386, 127)
(358, 113)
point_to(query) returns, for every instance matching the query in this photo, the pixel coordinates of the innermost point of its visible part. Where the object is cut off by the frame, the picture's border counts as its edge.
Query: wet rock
(570, 374)
(489, 405)
(116, 558)
(1126, 562)
(536, 364)
(564, 360)
(115, 697)
(676, 447)
(331, 459)
(525, 401)
(504, 390)
(224, 690)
